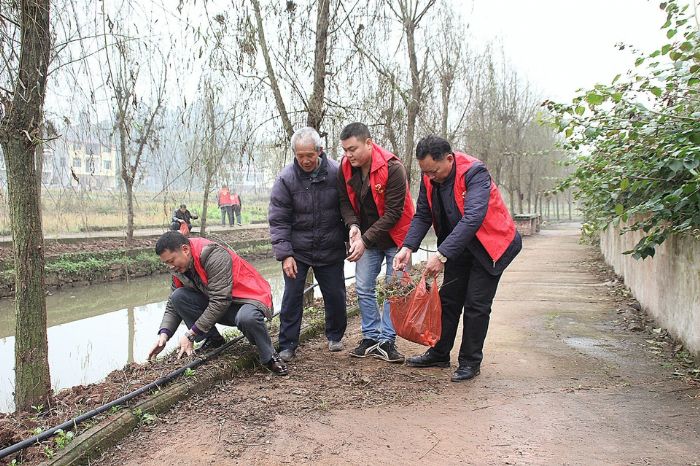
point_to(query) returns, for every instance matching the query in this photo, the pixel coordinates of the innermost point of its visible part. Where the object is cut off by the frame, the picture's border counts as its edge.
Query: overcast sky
(562, 45)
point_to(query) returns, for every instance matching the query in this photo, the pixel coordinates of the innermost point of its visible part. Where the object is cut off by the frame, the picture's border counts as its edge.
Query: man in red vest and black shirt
(212, 284)
(477, 240)
(376, 206)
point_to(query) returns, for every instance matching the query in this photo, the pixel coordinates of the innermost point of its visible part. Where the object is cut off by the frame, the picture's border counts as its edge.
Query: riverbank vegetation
(81, 263)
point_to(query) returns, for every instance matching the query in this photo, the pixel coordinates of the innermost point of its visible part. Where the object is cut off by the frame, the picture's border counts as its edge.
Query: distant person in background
(307, 231)
(236, 204)
(180, 216)
(225, 204)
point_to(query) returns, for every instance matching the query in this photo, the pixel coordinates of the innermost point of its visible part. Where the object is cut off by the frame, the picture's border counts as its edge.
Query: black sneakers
(387, 351)
(276, 365)
(428, 359)
(366, 348)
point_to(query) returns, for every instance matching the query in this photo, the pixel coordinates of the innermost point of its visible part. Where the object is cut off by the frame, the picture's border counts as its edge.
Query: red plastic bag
(184, 229)
(417, 317)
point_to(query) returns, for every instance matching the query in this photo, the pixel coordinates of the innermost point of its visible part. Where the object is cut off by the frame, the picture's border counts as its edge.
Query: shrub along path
(563, 381)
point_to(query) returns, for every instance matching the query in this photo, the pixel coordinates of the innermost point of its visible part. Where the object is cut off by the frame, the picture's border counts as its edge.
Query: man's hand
(357, 248)
(402, 259)
(289, 266)
(158, 347)
(180, 220)
(355, 233)
(433, 267)
(186, 347)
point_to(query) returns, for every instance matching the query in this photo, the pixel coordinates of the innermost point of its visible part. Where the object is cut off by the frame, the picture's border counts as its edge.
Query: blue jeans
(375, 325)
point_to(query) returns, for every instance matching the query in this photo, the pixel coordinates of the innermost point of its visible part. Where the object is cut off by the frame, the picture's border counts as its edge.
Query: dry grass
(73, 211)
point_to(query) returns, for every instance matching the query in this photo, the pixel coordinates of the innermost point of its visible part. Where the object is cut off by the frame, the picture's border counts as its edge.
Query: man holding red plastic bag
(477, 240)
(417, 317)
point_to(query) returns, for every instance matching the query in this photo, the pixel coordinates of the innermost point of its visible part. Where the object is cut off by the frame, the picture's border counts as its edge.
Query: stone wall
(667, 285)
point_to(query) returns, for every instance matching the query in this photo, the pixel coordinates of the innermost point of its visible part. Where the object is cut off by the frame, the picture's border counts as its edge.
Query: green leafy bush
(639, 140)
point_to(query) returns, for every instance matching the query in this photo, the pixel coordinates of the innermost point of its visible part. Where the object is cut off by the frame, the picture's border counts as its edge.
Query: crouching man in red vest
(477, 240)
(212, 284)
(376, 206)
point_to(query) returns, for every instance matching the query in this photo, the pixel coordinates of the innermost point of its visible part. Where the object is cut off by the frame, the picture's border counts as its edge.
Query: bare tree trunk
(205, 204)
(281, 108)
(414, 104)
(445, 91)
(129, 189)
(390, 132)
(316, 101)
(568, 198)
(20, 133)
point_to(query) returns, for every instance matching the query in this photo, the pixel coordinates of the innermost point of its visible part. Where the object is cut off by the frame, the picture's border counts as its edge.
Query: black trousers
(331, 280)
(467, 285)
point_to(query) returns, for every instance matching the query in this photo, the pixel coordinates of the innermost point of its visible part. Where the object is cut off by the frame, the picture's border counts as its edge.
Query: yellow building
(94, 164)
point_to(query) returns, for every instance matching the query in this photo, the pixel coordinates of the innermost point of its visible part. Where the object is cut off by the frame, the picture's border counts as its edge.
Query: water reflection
(97, 329)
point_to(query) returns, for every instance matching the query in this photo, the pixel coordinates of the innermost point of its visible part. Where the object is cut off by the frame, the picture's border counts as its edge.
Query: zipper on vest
(494, 264)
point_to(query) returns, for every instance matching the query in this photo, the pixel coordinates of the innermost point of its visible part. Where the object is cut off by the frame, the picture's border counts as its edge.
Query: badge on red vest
(378, 177)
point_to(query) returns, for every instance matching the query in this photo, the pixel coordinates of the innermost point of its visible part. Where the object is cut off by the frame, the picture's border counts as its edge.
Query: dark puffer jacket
(304, 215)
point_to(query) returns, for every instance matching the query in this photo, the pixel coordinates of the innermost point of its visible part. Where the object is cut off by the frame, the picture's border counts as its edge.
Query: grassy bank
(84, 268)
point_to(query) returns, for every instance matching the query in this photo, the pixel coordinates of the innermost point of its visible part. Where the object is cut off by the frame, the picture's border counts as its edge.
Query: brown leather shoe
(276, 365)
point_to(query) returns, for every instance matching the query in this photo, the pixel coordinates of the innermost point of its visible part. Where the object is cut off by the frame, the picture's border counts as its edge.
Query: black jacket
(186, 216)
(456, 232)
(304, 215)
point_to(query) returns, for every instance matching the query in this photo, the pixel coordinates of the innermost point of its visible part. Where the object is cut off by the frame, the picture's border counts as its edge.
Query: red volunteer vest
(378, 176)
(247, 282)
(235, 200)
(498, 229)
(224, 197)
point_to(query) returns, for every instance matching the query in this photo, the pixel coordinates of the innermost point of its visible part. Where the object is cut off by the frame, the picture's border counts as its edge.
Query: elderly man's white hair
(306, 134)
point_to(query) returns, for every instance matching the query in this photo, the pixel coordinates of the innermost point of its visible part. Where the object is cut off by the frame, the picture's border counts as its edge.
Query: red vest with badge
(247, 282)
(498, 228)
(378, 176)
(235, 199)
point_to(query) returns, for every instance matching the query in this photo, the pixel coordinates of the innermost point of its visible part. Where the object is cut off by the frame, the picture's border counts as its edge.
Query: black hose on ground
(73, 423)
(90, 414)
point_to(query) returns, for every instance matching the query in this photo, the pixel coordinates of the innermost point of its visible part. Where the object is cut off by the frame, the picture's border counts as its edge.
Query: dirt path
(562, 383)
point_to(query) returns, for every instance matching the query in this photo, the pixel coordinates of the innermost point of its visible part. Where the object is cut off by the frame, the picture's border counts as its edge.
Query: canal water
(96, 329)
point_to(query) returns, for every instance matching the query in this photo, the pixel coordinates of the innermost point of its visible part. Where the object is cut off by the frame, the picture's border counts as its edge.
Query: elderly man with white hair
(307, 231)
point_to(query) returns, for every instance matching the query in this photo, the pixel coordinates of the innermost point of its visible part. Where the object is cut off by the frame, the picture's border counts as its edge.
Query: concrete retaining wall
(667, 285)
